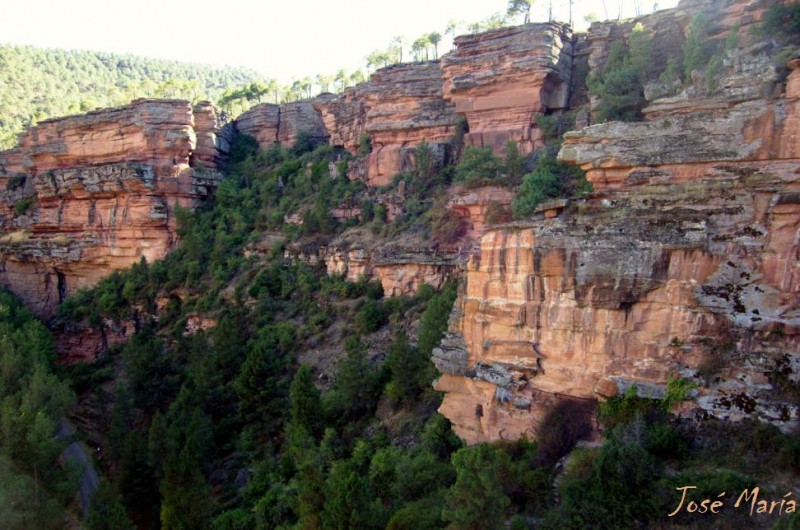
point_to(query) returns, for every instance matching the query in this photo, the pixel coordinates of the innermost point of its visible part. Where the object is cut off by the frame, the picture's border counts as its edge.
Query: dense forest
(36, 84)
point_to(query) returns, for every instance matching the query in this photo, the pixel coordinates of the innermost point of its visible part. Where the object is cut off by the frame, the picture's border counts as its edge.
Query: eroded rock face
(402, 267)
(273, 124)
(86, 195)
(399, 107)
(498, 80)
(684, 261)
(475, 205)
(626, 290)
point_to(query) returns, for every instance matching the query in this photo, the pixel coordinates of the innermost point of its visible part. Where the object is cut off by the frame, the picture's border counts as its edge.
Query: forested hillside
(227, 428)
(36, 84)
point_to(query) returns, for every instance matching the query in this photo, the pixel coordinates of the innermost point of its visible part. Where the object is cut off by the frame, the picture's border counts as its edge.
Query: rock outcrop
(273, 124)
(86, 195)
(499, 79)
(684, 261)
(399, 107)
(402, 267)
(482, 206)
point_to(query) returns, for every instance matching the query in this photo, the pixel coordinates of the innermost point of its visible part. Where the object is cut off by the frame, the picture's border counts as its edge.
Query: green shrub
(364, 144)
(371, 316)
(697, 48)
(551, 179)
(305, 143)
(514, 164)
(619, 85)
(23, 205)
(478, 167)
(618, 492)
(476, 500)
(781, 22)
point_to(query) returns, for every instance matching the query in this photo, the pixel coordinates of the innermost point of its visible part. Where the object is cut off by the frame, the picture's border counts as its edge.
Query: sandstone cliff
(684, 261)
(402, 266)
(399, 107)
(280, 124)
(87, 195)
(499, 79)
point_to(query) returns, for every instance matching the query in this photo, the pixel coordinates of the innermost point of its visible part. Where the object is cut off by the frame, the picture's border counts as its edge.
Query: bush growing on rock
(551, 179)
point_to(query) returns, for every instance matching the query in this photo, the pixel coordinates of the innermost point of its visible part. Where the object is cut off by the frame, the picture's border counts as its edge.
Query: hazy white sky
(283, 39)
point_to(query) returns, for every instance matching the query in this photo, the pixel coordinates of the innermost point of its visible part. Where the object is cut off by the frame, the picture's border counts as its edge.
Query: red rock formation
(270, 124)
(261, 122)
(100, 191)
(399, 106)
(474, 205)
(499, 79)
(686, 256)
(212, 148)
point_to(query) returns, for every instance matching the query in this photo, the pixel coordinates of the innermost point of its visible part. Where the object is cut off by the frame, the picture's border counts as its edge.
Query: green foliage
(476, 500)
(106, 510)
(34, 488)
(371, 316)
(305, 143)
(618, 410)
(549, 180)
(514, 163)
(619, 85)
(434, 320)
(23, 205)
(356, 387)
(697, 48)
(364, 144)
(781, 21)
(479, 167)
(42, 84)
(672, 73)
(305, 402)
(678, 389)
(423, 161)
(616, 491)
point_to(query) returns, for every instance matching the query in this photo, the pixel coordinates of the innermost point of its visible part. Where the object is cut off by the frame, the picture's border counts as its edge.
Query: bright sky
(284, 39)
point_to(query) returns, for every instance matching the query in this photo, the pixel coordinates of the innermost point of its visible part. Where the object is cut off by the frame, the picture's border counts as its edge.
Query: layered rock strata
(398, 108)
(402, 267)
(683, 262)
(273, 124)
(500, 79)
(86, 195)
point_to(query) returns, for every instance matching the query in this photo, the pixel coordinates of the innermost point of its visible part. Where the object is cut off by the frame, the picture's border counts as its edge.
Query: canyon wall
(273, 124)
(86, 195)
(682, 262)
(399, 107)
(496, 81)
(500, 79)
(402, 266)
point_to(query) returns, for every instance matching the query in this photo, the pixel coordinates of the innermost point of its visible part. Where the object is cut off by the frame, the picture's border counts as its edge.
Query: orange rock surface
(498, 80)
(399, 107)
(473, 205)
(686, 256)
(101, 191)
(280, 124)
